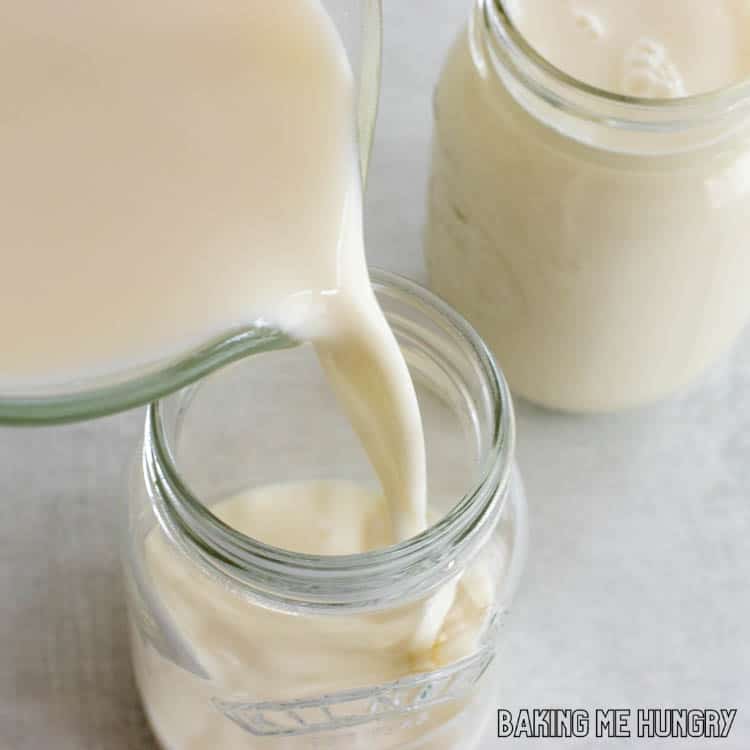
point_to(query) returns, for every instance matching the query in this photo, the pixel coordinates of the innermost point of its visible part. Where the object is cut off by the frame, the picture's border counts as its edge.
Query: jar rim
(596, 104)
(402, 572)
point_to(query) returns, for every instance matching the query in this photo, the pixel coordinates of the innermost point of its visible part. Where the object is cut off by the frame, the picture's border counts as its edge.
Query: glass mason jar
(241, 645)
(598, 243)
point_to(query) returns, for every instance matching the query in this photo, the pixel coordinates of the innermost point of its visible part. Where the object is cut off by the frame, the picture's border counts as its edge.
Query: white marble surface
(637, 590)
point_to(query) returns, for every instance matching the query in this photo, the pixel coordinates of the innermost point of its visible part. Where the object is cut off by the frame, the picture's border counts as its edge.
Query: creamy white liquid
(255, 654)
(644, 48)
(171, 171)
(602, 273)
(174, 170)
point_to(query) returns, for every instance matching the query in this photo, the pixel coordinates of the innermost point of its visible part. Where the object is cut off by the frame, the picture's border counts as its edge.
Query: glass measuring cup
(359, 23)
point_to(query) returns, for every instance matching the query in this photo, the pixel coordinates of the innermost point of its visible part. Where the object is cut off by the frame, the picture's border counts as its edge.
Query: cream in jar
(254, 643)
(642, 48)
(252, 652)
(597, 242)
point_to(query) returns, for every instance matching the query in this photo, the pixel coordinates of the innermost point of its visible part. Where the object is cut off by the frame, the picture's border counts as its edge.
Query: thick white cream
(644, 48)
(606, 267)
(254, 654)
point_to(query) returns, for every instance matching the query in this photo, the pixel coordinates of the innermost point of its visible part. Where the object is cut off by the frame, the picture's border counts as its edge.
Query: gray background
(636, 591)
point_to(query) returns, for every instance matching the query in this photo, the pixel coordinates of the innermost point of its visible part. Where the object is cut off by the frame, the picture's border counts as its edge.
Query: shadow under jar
(238, 644)
(599, 243)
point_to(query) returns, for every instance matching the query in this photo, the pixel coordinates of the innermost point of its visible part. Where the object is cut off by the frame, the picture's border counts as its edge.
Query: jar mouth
(596, 104)
(402, 572)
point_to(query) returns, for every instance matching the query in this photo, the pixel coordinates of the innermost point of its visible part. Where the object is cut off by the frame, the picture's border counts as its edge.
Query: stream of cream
(173, 170)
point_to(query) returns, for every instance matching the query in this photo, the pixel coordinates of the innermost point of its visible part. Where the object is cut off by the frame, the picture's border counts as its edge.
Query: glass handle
(369, 92)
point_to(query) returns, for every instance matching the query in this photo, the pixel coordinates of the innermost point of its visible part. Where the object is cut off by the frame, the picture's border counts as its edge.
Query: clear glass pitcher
(240, 645)
(359, 23)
